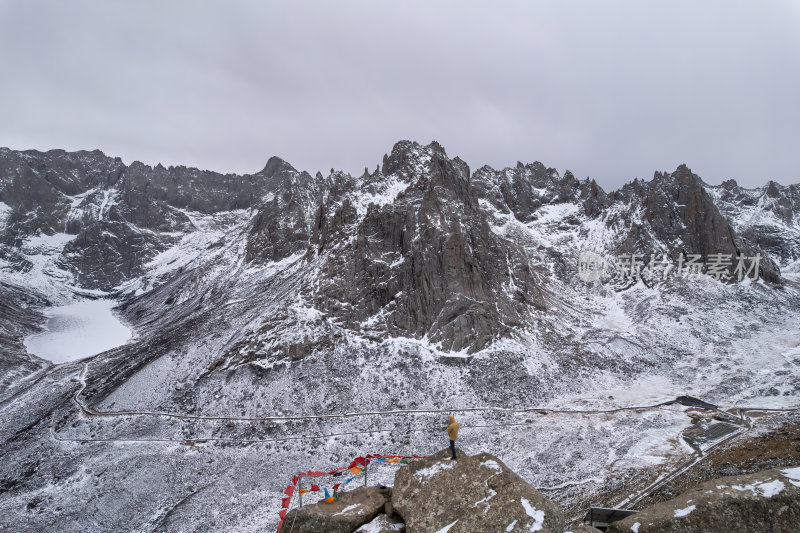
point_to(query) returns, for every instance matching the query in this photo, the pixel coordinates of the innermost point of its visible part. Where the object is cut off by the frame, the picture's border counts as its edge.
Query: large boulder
(471, 494)
(350, 511)
(766, 501)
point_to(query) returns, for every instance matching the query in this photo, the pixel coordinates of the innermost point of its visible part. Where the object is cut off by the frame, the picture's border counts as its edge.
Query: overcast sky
(612, 90)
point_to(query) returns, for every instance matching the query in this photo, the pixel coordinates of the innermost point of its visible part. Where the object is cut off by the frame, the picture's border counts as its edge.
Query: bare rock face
(122, 215)
(424, 263)
(349, 512)
(36, 186)
(471, 494)
(197, 190)
(108, 253)
(522, 190)
(285, 219)
(18, 318)
(766, 501)
(766, 216)
(681, 218)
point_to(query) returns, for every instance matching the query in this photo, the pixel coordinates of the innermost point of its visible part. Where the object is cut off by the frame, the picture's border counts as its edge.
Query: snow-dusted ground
(79, 330)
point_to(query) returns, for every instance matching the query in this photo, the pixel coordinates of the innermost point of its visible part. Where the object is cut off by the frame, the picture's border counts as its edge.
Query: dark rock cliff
(681, 218)
(427, 264)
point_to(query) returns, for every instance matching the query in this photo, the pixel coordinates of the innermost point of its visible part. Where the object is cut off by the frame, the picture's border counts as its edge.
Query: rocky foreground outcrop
(472, 494)
(767, 501)
(478, 493)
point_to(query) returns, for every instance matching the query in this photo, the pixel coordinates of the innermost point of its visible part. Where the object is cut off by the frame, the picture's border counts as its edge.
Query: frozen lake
(78, 330)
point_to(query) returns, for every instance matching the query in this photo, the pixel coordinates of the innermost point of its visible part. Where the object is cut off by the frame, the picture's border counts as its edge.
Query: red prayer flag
(356, 462)
(315, 488)
(289, 490)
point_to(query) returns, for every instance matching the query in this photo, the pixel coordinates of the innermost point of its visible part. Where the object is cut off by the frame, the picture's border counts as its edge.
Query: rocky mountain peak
(772, 190)
(682, 218)
(275, 165)
(407, 252)
(409, 159)
(523, 189)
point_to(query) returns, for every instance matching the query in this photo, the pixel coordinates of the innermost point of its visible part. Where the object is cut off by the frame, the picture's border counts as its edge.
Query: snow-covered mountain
(768, 216)
(268, 308)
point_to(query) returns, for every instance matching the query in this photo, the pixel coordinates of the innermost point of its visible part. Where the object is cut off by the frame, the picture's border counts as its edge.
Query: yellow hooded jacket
(452, 428)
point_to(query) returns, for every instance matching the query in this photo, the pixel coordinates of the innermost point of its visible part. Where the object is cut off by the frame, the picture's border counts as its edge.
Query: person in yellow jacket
(452, 432)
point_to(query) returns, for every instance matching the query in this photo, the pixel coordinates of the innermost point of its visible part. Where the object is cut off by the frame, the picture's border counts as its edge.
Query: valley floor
(574, 455)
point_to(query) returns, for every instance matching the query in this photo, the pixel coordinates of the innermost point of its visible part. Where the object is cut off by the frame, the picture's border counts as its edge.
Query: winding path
(90, 411)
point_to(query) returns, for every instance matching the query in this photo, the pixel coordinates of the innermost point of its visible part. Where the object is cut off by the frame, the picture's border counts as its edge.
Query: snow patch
(684, 512)
(772, 488)
(536, 514)
(767, 489)
(615, 319)
(635, 527)
(105, 206)
(491, 463)
(793, 474)
(446, 528)
(428, 472)
(380, 524)
(389, 189)
(348, 509)
(46, 243)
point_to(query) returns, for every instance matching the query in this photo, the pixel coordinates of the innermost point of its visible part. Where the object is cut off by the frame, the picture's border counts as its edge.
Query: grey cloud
(613, 90)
